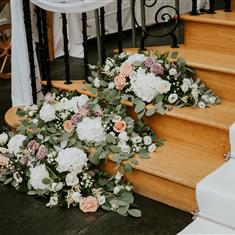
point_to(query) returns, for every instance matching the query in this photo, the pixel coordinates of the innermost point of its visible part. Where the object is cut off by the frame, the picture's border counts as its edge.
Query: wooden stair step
(215, 69)
(178, 124)
(211, 32)
(220, 18)
(172, 173)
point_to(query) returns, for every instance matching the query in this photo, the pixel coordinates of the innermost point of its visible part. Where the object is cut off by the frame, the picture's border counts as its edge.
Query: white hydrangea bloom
(47, 112)
(71, 160)
(37, 174)
(135, 58)
(15, 143)
(77, 102)
(148, 86)
(91, 130)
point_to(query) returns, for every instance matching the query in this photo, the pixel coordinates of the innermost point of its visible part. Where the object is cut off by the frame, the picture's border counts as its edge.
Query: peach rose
(119, 126)
(126, 70)
(120, 82)
(88, 204)
(3, 160)
(68, 126)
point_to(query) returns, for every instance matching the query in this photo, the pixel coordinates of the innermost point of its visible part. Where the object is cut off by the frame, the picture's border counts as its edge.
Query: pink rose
(4, 161)
(49, 98)
(126, 70)
(33, 145)
(119, 126)
(75, 119)
(149, 62)
(42, 152)
(88, 204)
(68, 126)
(120, 82)
(24, 160)
(157, 69)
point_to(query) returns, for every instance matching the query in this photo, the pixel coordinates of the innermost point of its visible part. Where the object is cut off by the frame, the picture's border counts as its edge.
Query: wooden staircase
(196, 139)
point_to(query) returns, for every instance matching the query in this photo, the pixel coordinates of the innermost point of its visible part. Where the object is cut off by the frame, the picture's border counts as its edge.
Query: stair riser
(160, 189)
(210, 37)
(195, 135)
(223, 84)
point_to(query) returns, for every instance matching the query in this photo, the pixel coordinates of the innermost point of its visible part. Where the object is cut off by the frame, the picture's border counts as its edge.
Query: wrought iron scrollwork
(167, 19)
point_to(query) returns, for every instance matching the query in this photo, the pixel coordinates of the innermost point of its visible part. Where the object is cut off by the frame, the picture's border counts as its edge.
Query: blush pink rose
(120, 82)
(75, 119)
(33, 145)
(126, 70)
(4, 161)
(49, 98)
(119, 126)
(24, 160)
(42, 152)
(88, 204)
(68, 126)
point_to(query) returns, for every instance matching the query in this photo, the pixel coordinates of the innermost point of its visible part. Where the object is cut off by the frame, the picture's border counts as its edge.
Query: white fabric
(21, 83)
(202, 226)
(216, 199)
(232, 139)
(75, 25)
(71, 6)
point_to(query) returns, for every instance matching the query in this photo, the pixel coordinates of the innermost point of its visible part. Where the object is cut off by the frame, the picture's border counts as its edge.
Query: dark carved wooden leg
(29, 38)
(66, 49)
(119, 20)
(85, 46)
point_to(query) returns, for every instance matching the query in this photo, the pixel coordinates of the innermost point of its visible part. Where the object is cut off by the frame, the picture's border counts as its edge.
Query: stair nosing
(202, 20)
(180, 116)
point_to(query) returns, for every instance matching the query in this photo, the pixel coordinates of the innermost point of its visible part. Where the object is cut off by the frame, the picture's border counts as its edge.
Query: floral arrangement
(150, 79)
(54, 152)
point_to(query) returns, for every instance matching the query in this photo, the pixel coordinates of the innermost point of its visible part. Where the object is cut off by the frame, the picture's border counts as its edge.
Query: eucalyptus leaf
(127, 197)
(46, 181)
(122, 210)
(127, 167)
(135, 213)
(150, 112)
(139, 106)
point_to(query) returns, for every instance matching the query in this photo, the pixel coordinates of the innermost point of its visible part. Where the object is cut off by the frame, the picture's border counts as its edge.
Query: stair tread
(221, 17)
(219, 116)
(199, 58)
(181, 164)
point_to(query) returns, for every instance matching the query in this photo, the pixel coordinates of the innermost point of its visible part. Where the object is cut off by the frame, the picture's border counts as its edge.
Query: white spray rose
(97, 82)
(3, 138)
(123, 136)
(111, 85)
(172, 98)
(172, 71)
(201, 105)
(147, 140)
(152, 148)
(71, 180)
